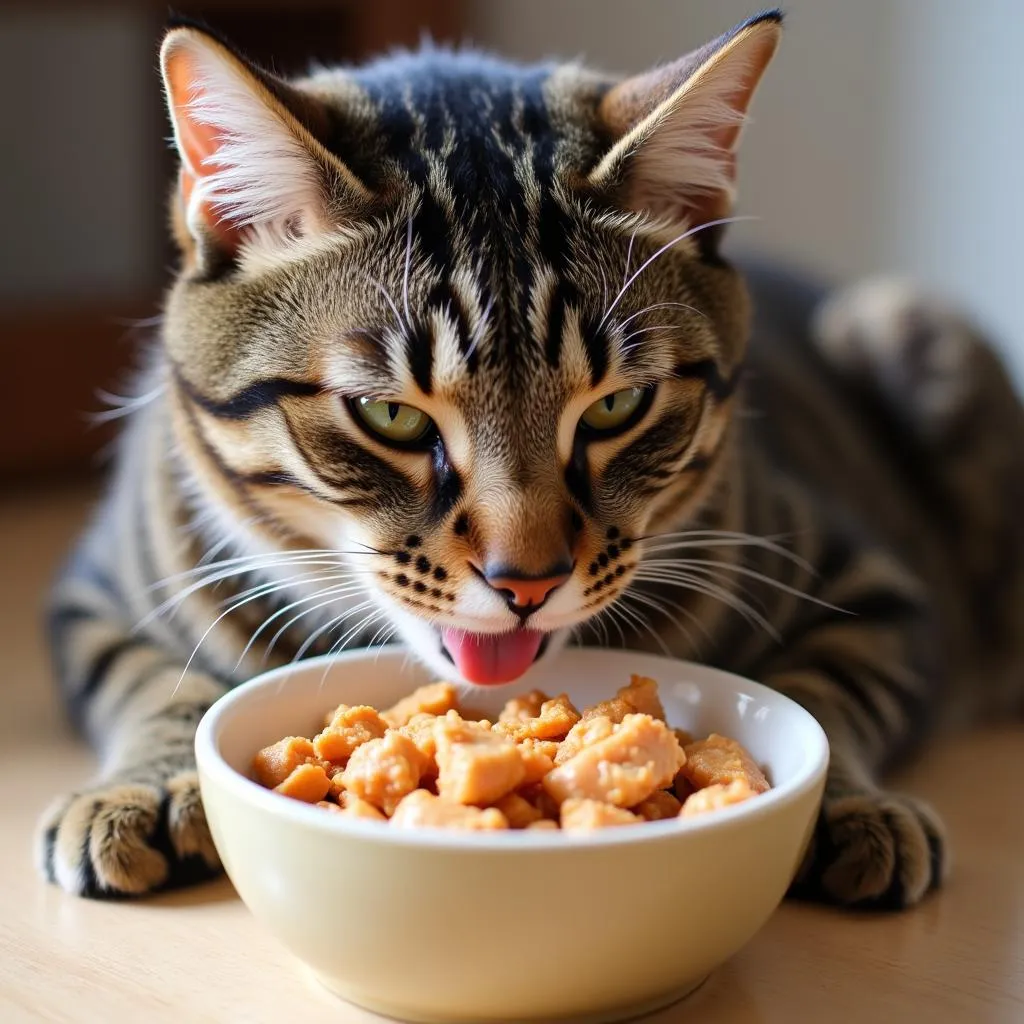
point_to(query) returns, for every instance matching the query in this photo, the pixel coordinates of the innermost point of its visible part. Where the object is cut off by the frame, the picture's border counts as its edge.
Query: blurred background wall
(887, 137)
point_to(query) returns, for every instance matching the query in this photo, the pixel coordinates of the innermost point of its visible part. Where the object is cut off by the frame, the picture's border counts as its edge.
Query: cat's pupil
(609, 402)
(393, 408)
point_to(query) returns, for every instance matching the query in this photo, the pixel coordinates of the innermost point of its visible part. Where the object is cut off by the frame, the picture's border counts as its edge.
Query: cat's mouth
(489, 659)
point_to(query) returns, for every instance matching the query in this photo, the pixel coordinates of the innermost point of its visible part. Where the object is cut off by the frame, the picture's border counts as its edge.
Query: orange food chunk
(642, 694)
(382, 771)
(273, 764)
(350, 727)
(584, 815)
(721, 760)
(658, 806)
(308, 783)
(421, 809)
(356, 807)
(433, 699)
(538, 758)
(520, 709)
(474, 764)
(518, 811)
(640, 756)
(614, 710)
(716, 796)
(553, 721)
(585, 732)
(420, 729)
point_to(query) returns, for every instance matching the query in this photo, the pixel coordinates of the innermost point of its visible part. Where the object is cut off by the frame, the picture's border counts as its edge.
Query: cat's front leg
(140, 826)
(872, 848)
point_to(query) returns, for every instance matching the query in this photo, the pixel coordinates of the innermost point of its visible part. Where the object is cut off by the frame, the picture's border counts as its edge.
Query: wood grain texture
(199, 957)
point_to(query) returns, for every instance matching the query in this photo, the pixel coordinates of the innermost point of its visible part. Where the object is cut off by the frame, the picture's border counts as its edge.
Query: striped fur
(822, 497)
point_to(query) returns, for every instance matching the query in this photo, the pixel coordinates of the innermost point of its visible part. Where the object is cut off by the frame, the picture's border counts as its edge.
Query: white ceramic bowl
(428, 925)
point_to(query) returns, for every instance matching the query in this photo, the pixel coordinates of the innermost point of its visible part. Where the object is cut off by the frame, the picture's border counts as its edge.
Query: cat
(454, 357)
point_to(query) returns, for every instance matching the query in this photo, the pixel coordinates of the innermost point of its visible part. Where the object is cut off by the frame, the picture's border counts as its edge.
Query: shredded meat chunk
(273, 764)
(308, 783)
(642, 695)
(716, 796)
(553, 721)
(422, 809)
(434, 699)
(582, 815)
(350, 727)
(721, 760)
(640, 756)
(383, 770)
(658, 806)
(474, 764)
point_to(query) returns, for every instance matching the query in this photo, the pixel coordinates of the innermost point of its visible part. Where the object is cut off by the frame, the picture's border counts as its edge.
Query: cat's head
(464, 320)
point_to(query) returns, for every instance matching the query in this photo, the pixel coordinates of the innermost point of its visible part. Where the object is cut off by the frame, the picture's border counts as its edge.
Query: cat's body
(471, 346)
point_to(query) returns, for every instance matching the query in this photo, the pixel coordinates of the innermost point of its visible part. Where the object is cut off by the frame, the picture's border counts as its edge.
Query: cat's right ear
(675, 129)
(251, 163)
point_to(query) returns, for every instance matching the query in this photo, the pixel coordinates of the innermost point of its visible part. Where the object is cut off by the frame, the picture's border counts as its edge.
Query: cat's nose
(525, 594)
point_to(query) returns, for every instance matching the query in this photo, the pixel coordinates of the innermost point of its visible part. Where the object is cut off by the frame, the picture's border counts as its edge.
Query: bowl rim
(210, 762)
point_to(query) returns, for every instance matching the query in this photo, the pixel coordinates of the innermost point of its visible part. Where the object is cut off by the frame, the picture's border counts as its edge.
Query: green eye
(393, 421)
(613, 410)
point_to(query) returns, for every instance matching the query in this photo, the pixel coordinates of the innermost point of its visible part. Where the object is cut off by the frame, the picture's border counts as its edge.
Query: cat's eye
(396, 422)
(615, 411)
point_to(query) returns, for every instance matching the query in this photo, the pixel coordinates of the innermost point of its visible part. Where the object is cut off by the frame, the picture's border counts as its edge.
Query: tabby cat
(454, 357)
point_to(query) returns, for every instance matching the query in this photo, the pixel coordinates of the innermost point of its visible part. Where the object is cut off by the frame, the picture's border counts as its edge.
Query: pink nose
(523, 592)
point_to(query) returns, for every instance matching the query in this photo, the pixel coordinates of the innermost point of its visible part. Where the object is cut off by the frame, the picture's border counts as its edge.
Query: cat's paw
(914, 347)
(879, 851)
(127, 839)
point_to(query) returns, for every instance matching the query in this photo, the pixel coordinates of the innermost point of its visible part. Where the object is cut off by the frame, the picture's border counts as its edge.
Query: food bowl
(442, 926)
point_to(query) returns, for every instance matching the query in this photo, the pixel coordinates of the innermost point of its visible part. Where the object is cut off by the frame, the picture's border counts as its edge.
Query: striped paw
(127, 839)
(878, 851)
(914, 348)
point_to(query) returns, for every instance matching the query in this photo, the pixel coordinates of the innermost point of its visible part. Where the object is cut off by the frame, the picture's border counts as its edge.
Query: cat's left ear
(676, 128)
(252, 162)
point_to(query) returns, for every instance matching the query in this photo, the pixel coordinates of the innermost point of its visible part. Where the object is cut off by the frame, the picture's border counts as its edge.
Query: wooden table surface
(198, 956)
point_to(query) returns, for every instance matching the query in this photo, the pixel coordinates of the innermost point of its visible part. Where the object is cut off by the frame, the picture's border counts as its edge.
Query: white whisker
(634, 616)
(658, 305)
(480, 329)
(629, 255)
(175, 601)
(391, 303)
(343, 590)
(123, 405)
(660, 542)
(284, 611)
(704, 564)
(701, 585)
(312, 638)
(660, 252)
(660, 606)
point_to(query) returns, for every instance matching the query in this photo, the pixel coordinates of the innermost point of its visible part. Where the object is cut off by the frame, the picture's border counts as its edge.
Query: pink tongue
(489, 658)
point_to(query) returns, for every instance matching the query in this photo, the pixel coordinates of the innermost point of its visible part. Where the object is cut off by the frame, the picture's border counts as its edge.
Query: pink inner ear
(199, 143)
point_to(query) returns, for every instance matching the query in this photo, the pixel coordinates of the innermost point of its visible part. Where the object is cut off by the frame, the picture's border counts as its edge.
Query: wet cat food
(542, 764)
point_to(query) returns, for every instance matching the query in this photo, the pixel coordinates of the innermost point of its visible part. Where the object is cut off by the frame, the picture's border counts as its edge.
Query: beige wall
(887, 135)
